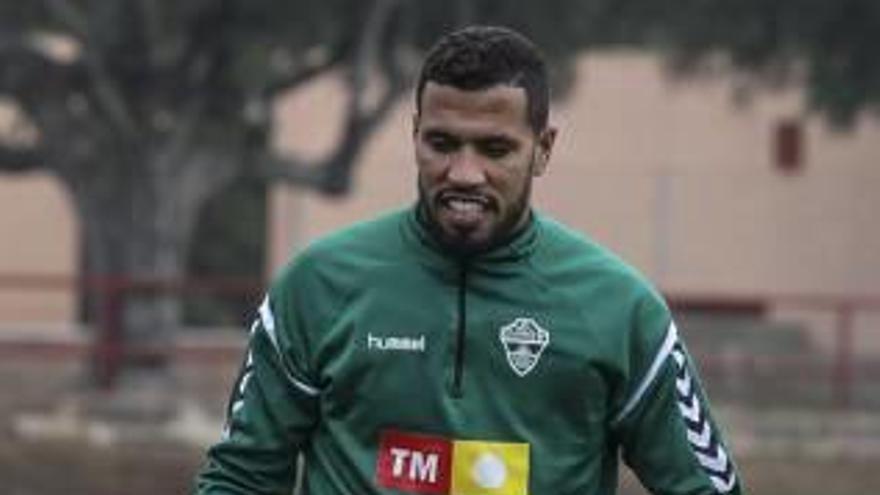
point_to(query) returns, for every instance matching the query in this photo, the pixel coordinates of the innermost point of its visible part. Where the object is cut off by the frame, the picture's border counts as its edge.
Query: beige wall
(672, 175)
(37, 237)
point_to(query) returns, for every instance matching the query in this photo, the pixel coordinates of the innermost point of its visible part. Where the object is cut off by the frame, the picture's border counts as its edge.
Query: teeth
(465, 205)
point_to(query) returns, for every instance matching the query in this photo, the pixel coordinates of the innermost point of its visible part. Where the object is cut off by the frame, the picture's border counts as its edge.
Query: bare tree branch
(273, 167)
(152, 19)
(30, 76)
(360, 121)
(306, 73)
(208, 172)
(16, 159)
(332, 175)
(366, 55)
(106, 91)
(395, 79)
(183, 137)
(69, 16)
(108, 95)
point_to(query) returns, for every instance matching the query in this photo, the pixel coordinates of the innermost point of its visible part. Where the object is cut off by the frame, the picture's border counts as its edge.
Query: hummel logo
(406, 344)
(705, 444)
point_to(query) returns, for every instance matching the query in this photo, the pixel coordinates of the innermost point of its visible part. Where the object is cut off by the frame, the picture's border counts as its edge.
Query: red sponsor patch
(414, 463)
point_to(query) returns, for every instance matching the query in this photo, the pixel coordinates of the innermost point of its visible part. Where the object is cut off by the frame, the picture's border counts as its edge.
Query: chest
(468, 352)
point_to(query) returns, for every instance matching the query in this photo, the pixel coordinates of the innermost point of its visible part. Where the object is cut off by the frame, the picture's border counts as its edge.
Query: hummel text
(408, 344)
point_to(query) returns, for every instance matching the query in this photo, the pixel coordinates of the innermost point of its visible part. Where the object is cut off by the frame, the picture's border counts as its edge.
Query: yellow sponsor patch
(434, 465)
(490, 468)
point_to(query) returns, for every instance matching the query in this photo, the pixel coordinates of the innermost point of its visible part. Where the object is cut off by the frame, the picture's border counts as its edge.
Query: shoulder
(565, 247)
(595, 275)
(620, 299)
(377, 234)
(344, 254)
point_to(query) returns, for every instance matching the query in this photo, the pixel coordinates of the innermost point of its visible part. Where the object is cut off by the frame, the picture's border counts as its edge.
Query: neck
(465, 252)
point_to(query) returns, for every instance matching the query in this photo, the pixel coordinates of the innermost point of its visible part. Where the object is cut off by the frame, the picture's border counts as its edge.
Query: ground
(74, 469)
(35, 465)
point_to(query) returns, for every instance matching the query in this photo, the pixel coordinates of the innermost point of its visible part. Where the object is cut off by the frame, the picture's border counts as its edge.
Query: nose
(466, 169)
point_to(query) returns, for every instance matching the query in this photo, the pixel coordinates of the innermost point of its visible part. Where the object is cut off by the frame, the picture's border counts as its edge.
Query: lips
(464, 208)
(464, 201)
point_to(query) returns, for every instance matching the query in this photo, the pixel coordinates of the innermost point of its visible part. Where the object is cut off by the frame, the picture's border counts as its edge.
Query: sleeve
(272, 410)
(665, 427)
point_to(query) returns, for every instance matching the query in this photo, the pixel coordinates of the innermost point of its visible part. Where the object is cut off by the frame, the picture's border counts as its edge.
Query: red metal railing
(107, 347)
(843, 308)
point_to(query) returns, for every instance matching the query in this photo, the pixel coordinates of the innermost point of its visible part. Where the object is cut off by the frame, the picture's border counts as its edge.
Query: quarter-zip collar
(519, 245)
(501, 260)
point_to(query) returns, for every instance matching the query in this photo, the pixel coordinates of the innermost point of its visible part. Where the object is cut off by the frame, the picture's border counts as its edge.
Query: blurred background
(161, 160)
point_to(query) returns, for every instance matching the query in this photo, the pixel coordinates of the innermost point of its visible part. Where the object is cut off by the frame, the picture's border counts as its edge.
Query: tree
(826, 46)
(144, 109)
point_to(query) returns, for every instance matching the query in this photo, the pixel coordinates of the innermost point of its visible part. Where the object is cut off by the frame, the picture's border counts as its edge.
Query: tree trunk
(136, 236)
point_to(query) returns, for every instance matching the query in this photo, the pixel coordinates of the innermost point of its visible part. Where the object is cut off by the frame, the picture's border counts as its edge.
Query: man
(470, 345)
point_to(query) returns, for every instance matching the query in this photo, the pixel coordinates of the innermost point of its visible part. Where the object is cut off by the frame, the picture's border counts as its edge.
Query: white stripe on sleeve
(268, 323)
(659, 359)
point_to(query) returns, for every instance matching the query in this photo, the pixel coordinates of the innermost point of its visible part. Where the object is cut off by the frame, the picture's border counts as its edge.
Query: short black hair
(479, 57)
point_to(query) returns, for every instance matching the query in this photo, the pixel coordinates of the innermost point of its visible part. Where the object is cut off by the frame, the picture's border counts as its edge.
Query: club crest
(524, 341)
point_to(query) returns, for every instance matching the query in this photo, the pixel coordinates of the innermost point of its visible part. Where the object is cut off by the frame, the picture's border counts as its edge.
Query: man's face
(477, 156)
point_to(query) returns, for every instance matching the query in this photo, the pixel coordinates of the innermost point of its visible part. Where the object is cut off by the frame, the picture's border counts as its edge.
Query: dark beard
(458, 245)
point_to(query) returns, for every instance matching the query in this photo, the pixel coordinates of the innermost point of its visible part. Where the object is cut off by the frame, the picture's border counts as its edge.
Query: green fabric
(322, 381)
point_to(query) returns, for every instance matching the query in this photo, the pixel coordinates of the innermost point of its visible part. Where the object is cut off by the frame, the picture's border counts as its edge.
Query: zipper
(460, 332)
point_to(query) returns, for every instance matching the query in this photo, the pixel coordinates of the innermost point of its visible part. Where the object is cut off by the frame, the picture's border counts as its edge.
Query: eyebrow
(496, 137)
(477, 139)
(437, 132)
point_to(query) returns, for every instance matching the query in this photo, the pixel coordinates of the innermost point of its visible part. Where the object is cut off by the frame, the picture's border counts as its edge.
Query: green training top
(393, 368)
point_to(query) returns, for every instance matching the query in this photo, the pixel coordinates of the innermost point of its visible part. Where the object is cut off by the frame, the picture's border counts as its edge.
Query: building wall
(673, 175)
(37, 238)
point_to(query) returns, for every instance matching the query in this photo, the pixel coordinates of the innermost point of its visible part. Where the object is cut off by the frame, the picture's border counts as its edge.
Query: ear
(415, 124)
(544, 148)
